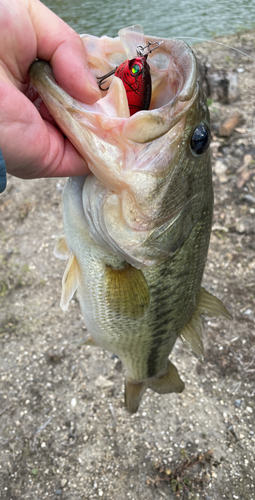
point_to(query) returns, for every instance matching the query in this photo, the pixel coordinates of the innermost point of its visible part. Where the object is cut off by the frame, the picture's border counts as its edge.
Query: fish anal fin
(127, 291)
(69, 282)
(61, 250)
(209, 305)
(133, 394)
(168, 382)
(191, 336)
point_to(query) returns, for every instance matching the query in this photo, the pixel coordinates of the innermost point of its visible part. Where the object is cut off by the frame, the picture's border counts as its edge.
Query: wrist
(2, 173)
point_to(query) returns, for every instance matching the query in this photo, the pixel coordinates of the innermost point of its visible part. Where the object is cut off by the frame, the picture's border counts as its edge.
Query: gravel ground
(65, 433)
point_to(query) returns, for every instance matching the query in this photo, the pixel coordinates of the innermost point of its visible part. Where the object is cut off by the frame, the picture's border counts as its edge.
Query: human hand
(31, 144)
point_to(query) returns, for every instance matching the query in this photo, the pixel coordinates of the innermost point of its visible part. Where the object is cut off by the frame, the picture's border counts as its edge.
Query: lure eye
(135, 70)
(200, 140)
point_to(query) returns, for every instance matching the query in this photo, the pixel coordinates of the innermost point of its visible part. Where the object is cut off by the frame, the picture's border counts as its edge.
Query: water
(158, 17)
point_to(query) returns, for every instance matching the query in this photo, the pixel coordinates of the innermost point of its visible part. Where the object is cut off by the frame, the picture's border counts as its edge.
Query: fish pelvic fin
(192, 333)
(61, 250)
(168, 382)
(133, 394)
(69, 282)
(127, 290)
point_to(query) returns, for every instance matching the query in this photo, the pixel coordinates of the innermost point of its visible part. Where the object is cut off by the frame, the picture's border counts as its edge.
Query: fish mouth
(174, 74)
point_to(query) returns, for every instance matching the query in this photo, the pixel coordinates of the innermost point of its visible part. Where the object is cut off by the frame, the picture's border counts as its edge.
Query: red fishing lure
(136, 77)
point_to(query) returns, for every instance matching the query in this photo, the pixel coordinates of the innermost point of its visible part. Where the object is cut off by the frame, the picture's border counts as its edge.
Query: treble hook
(140, 49)
(140, 53)
(101, 79)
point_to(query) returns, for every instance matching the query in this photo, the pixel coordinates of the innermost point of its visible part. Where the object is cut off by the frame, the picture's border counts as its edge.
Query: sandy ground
(64, 431)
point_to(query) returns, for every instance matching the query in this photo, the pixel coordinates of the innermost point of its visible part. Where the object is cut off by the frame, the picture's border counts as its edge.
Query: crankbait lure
(136, 78)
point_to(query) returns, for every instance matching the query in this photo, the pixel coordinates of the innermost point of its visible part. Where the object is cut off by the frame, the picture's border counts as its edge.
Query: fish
(137, 228)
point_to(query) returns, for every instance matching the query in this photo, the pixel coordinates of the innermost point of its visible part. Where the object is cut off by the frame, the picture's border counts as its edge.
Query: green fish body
(137, 229)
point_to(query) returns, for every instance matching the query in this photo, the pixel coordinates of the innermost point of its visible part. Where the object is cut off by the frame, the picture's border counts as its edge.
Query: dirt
(65, 433)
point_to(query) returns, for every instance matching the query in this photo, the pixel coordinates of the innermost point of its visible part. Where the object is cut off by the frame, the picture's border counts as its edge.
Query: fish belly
(141, 332)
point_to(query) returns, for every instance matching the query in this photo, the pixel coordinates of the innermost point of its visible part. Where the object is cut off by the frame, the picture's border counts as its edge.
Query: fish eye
(200, 140)
(135, 69)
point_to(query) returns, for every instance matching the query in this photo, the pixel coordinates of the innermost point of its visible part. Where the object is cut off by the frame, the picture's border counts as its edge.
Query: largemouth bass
(137, 229)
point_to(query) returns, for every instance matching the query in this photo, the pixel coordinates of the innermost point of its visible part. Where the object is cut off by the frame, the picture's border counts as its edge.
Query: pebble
(63, 482)
(246, 226)
(238, 403)
(249, 409)
(103, 382)
(73, 402)
(220, 168)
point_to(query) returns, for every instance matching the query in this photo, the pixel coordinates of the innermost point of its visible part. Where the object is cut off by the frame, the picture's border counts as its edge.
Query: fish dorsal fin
(211, 306)
(133, 394)
(168, 382)
(69, 282)
(127, 291)
(191, 334)
(61, 250)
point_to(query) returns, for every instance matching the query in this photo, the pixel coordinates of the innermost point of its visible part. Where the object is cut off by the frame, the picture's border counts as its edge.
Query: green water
(158, 17)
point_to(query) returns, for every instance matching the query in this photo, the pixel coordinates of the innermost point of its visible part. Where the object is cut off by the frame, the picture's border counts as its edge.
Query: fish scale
(137, 229)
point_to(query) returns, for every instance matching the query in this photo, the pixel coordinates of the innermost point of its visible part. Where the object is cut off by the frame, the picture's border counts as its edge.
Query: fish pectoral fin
(211, 306)
(61, 250)
(133, 394)
(169, 382)
(88, 340)
(127, 291)
(69, 282)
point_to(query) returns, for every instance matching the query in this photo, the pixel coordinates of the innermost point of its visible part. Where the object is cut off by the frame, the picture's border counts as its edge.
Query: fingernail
(91, 81)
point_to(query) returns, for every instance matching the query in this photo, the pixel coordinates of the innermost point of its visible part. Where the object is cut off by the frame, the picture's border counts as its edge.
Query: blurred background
(184, 18)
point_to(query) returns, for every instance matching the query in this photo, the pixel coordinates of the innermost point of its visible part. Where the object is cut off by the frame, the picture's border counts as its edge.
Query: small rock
(248, 312)
(73, 402)
(220, 168)
(63, 482)
(249, 198)
(246, 226)
(228, 126)
(249, 409)
(238, 403)
(103, 382)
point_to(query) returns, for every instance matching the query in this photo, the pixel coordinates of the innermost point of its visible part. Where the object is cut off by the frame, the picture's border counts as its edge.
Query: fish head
(152, 169)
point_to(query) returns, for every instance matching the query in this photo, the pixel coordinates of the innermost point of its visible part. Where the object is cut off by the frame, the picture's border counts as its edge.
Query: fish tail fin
(168, 382)
(133, 394)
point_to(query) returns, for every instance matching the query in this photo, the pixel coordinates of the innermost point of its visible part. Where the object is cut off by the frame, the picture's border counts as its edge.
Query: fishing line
(217, 43)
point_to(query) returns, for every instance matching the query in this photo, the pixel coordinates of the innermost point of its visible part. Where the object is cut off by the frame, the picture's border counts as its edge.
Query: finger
(62, 159)
(33, 147)
(59, 44)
